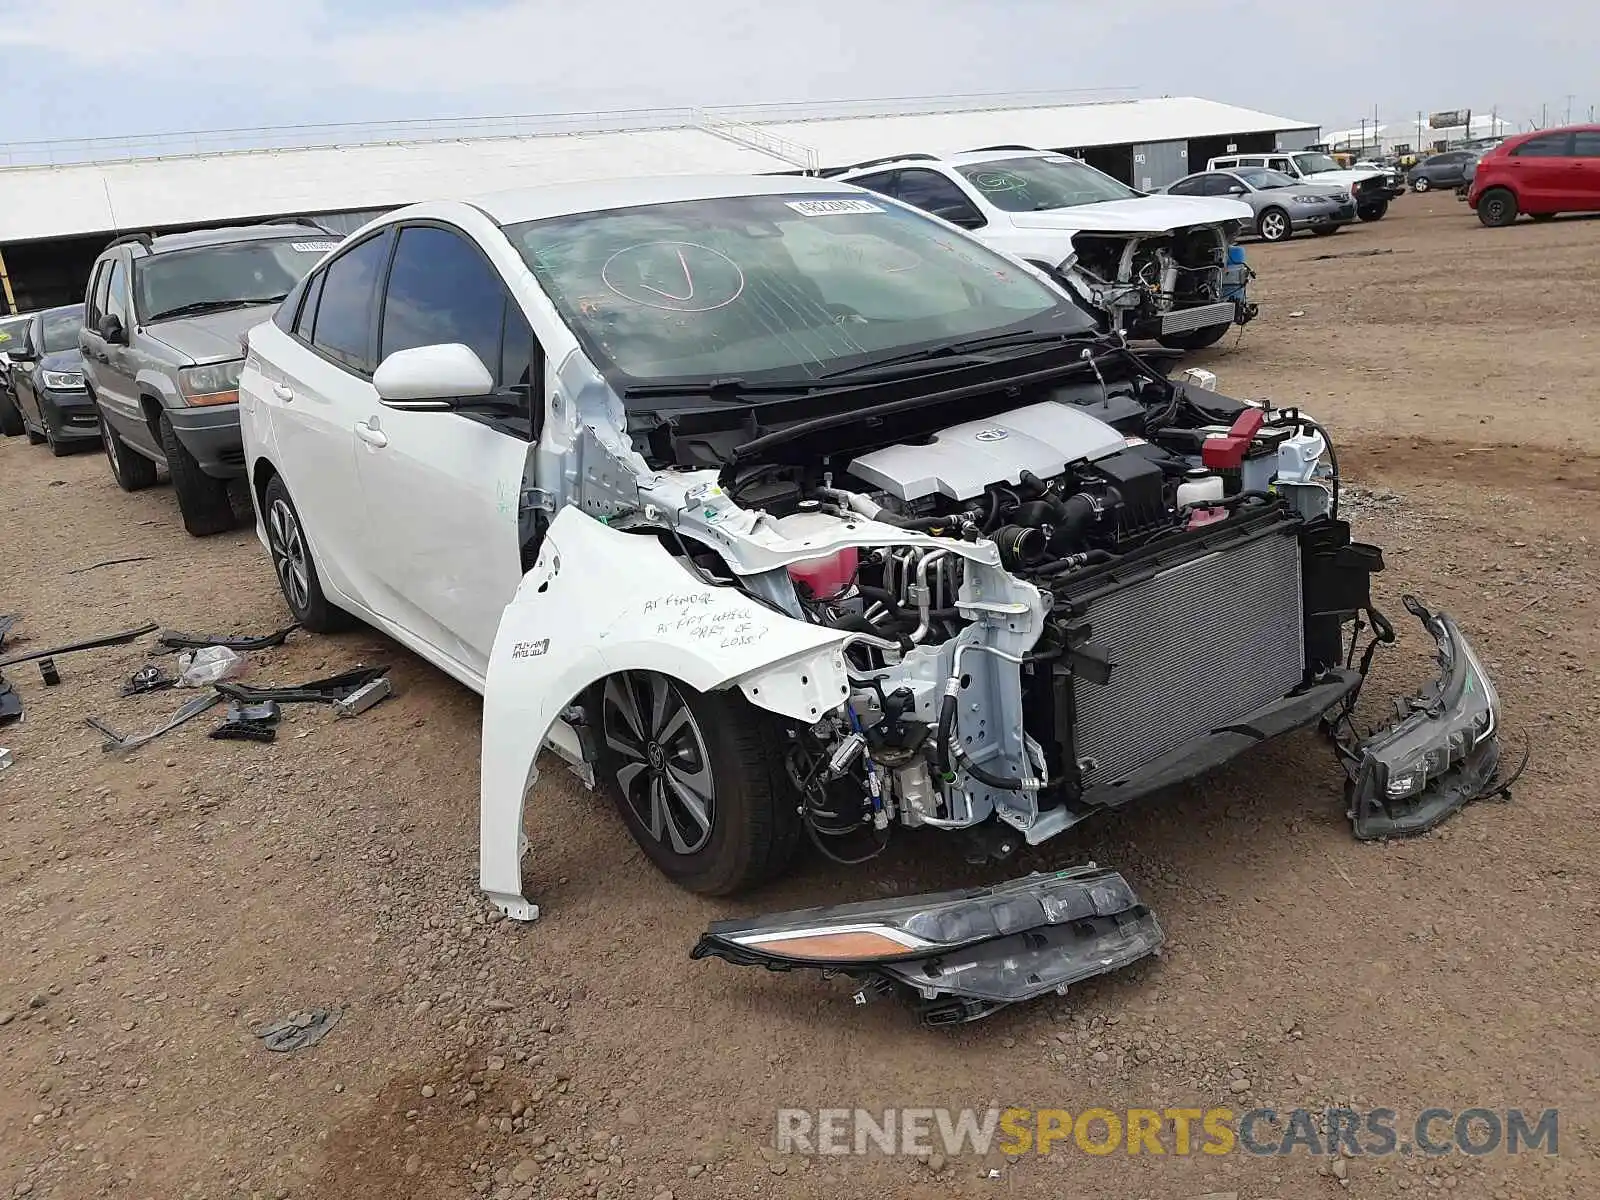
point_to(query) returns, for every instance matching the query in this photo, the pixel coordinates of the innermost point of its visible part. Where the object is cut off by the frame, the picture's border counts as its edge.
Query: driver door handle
(371, 436)
(283, 392)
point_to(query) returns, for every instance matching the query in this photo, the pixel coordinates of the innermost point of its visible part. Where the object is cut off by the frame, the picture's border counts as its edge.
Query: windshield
(61, 327)
(1311, 164)
(781, 288)
(234, 272)
(1047, 181)
(12, 331)
(1263, 179)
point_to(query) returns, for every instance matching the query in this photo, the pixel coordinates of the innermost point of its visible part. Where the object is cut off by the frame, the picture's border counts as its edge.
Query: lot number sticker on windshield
(319, 247)
(831, 208)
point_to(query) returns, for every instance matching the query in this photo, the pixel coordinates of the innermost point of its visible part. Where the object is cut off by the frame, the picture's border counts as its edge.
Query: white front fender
(599, 601)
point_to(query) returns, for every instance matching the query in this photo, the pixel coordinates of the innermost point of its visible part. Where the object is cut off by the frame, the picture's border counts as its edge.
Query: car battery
(1245, 454)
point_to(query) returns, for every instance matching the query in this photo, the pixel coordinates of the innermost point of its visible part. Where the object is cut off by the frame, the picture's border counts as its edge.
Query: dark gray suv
(162, 350)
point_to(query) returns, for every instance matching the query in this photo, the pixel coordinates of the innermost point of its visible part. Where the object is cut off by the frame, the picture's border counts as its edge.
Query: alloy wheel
(1273, 227)
(663, 769)
(289, 558)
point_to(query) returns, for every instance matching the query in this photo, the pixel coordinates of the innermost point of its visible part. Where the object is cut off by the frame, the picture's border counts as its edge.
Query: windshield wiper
(959, 352)
(196, 307)
(729, 387)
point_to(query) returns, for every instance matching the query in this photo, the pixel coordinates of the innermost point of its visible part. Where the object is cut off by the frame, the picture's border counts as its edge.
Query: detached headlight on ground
(63, 381)
(214, 383)
(1443, 751)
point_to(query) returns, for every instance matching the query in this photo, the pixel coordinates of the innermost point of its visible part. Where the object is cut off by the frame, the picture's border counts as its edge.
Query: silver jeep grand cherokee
(161, 348)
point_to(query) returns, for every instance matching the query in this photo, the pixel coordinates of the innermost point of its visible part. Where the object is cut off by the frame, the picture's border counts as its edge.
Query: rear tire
(1274, 225)
(10, 418)
(293, 564)
(202, 500)
(699, 780)
(133, 472)
(1497, 207)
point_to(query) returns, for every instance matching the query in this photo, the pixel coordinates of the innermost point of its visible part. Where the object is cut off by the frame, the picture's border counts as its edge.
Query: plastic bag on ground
(213, 664)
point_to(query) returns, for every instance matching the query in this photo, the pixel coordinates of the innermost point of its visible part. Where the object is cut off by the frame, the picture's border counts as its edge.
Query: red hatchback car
(1541, 174)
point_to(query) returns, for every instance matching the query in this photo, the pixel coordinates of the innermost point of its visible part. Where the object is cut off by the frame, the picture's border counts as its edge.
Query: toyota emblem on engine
(990, 435)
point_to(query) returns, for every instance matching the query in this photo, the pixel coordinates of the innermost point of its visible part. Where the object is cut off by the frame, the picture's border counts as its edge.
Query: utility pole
(1543, 123)
(1568, 121)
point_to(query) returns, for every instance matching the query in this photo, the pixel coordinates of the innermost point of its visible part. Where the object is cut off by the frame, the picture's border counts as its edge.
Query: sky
(88, 68)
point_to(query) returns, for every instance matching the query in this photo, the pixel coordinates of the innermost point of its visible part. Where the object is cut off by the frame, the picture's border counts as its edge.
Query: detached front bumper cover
(1440, 753)
(960, 955)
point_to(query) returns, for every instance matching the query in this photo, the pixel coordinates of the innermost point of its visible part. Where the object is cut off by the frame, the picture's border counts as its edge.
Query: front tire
(293, 565)
(698, 780)
(1497, 207)
(133, 472)
(202, 501)
(10, 418)
(1421, 184)
(1373, 211)
(1194, 339)
(1274, 225)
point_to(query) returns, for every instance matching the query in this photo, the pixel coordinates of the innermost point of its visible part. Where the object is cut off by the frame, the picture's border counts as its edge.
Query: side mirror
(1236, 190)
(24, 352)
(431, 378)
(112, 331)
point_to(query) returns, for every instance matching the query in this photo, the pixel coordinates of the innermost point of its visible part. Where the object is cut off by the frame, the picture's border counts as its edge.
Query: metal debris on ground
(249, 723)
(1350, 254)
(48, 672)
(5, 758)
(117, 741)
(95, 643)
(174, 640)
(317, 691)
(7, 621)
(110, 562)
(148, 679)
(10, 702)
(363, 698)
(305, 1028)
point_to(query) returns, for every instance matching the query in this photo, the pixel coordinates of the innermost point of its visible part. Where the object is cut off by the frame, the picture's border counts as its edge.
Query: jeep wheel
(1274, 226)
(1373, 210)
(293, 565)
(202, 501)
(698, 781)
(1497, 207)
(132, 471)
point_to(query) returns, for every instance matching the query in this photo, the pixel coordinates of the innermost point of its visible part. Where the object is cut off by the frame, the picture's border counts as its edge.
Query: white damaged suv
(1159, 267)
(786, 513)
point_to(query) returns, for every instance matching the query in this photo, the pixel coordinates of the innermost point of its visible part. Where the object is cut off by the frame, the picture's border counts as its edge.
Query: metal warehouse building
(64, 201)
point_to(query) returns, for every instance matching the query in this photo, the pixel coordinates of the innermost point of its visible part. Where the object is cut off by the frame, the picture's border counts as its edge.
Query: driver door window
(938, 194)
(1187, 187)
(1220, 185)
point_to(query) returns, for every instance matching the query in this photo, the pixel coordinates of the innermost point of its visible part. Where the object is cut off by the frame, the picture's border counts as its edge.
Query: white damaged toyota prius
(789, 514)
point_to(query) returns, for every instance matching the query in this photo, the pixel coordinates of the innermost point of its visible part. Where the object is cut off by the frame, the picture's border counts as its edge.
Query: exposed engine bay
(1167, 284)
(997, 603)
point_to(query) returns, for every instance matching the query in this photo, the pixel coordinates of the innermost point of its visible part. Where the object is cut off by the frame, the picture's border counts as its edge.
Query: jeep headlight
(214, 383)
(63, 381)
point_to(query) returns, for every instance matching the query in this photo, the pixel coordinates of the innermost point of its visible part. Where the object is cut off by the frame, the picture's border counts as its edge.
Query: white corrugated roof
(85, 198)
(1172, 119)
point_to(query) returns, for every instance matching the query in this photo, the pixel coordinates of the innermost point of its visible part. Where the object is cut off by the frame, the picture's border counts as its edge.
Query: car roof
(60, 308)
(564, 199)
(225, 234)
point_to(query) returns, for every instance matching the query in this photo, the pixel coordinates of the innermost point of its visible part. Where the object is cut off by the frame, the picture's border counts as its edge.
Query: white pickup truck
(1372, 188)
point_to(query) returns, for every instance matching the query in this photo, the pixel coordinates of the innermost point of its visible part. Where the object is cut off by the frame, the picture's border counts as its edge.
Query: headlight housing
(214, 383)
(63, 381)
(1313, 199)
(1443, 751)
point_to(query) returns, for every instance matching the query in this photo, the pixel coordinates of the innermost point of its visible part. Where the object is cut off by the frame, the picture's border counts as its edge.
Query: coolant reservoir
(1200, 487)
(829, 574)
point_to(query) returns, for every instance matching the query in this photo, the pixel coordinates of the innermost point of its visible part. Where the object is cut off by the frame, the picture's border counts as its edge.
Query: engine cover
(961, 461)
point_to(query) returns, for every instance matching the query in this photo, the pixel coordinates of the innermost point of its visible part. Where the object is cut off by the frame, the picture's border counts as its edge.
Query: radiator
(1194, 648)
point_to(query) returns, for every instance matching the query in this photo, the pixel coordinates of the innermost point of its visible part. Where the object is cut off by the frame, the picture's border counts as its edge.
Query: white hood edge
(1147, 214)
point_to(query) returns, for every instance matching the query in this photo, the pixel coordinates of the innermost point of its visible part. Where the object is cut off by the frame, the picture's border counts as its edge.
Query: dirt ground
(156, 910)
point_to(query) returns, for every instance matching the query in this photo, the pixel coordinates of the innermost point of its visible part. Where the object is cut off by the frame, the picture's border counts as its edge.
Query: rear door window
(1555, 145)
(343, 331)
